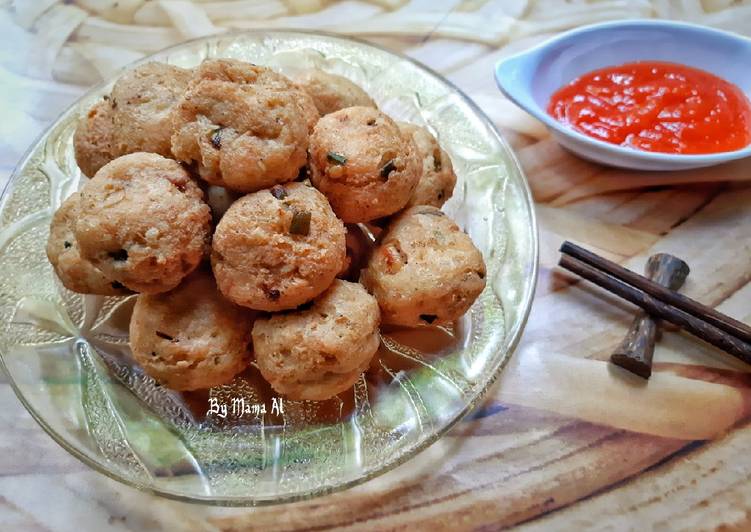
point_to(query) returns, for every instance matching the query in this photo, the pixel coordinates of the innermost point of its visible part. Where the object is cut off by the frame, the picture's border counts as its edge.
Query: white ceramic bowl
(530, 78)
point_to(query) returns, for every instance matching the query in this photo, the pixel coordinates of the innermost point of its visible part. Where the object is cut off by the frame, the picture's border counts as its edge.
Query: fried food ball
(93, 140)
(191, 337)
(307, 107)
(76, 273)
(331, 92)
(317, 353)
(142, 101)
(277, 249)
(245, 126)
(143, 222)
(426, 271)
(438, 179)
(363, 164)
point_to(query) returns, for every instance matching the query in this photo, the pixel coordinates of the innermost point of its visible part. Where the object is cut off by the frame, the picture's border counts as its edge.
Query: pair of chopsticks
(724, 332)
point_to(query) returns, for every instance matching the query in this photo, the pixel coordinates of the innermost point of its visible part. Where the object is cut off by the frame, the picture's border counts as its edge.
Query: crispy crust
(437, 183)
(259, 262)
(426, 271)
(317, 353)
(143, 222)
(191, 337)
(75, 272)
(363, 164)
(245, 126)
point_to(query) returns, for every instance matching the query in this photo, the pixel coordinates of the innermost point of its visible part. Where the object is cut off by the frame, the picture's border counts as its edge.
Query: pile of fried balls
(261, 217)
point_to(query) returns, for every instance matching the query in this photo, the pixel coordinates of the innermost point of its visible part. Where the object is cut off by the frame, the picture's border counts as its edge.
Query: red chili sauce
(658, 107)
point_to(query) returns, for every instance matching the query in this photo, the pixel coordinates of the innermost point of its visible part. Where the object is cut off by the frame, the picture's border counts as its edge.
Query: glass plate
(68, 359)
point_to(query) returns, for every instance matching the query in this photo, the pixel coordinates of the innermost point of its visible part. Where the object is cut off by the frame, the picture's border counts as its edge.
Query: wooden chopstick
(686, 304)
(692, 324)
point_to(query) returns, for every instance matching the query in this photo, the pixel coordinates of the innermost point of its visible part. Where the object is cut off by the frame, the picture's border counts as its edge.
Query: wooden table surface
(569, 442)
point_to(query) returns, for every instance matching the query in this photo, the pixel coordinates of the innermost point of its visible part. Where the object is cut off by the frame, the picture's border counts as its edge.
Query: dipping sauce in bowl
(658, 107)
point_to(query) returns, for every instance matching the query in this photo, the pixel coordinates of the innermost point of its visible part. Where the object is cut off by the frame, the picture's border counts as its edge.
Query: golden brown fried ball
(277, 249)
(308, 111)
(93, 142)
(143, 222)
(363, 164)
(438, 179)
(191, 337)
(331, 92)
(76, 273)
(245, 126)
(142, 101)
(426, 271)
(317, 353)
